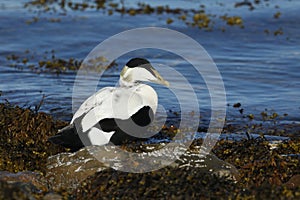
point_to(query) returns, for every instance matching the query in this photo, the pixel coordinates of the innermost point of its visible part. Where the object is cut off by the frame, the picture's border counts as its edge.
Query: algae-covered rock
(169, 182)
(261, 174)
(18, 190)
(194, 174)
(23, 138)
(258, 163)
(236, 169)
(22, 185)
(32, 178)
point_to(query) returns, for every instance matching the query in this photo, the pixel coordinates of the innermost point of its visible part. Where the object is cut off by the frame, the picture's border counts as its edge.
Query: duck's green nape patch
(23, 138)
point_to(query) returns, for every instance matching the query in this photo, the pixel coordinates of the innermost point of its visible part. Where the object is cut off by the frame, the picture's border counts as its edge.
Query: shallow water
(259, 70)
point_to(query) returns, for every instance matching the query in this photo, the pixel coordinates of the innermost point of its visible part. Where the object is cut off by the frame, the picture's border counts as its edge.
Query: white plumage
(119, 102)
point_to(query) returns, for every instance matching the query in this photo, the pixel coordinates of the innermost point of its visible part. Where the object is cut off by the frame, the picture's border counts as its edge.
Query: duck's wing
(93, 101)
(111, 103)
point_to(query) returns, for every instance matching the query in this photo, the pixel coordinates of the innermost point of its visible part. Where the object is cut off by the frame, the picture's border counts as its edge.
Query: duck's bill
(159, 79)
(162, 82)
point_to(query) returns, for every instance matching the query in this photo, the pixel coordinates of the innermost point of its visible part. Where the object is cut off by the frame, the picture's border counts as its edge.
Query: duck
(115, 114)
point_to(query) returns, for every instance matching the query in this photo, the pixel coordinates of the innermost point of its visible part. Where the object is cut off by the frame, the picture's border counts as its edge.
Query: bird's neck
(125, 83)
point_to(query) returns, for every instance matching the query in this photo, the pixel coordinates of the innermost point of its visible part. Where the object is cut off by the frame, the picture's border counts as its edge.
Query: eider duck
(115, 114)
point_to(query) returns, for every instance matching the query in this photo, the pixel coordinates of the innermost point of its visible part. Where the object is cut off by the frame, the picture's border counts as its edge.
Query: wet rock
(177, 172)
(294, 182)
(52, 196)
(27, 177)
(22, 185)
(155, 156)
(66, 170)
(18, 190)
(126, 171)
(258, 164)
(168, 182)
(208, 161)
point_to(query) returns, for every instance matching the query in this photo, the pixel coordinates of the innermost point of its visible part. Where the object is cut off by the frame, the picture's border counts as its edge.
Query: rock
(294, 182)
(156, 156)
(52, 196)
(68, 170)
(35, 179)
(208, 162)
(21, 185)
(23, 142)
(165, 183)
(16, 190)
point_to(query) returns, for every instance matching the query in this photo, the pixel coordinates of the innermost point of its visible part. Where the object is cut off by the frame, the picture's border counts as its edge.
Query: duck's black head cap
(135, 62)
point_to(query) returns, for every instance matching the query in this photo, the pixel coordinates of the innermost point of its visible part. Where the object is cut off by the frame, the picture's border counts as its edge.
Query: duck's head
(139, 70)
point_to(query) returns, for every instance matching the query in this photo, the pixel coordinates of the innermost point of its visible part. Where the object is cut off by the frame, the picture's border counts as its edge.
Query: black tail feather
(67, 137)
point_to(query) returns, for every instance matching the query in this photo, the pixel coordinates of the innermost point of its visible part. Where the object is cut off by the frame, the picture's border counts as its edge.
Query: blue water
(259, 70)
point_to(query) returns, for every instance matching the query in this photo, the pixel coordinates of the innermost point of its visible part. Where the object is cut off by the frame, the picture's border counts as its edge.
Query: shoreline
(263, 171)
